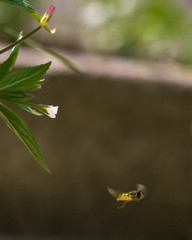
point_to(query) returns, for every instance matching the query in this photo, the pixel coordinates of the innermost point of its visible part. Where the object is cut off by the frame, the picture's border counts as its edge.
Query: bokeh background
(127, 120)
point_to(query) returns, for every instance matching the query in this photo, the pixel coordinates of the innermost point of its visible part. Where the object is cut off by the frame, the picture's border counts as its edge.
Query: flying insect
(132, 196)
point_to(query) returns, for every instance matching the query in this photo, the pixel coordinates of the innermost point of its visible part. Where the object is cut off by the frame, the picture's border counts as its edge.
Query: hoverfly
(132, 196)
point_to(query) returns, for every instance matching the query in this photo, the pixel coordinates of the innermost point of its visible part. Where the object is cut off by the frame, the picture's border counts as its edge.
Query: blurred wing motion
(114, 193)
(142, 188)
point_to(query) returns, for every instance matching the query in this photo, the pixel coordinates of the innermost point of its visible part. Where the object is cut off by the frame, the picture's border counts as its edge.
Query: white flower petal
(52, 111)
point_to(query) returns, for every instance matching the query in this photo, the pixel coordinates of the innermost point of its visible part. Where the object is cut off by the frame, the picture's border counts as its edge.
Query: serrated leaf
(21, 3)
(20, 128)
(24, 79)
(6, 66)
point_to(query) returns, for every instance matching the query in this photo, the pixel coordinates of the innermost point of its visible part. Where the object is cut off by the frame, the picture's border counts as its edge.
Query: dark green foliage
(21, 3)
(13, 87)
(20, 128)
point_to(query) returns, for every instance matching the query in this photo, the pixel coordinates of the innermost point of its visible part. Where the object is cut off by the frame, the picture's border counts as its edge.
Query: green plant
(15, 86)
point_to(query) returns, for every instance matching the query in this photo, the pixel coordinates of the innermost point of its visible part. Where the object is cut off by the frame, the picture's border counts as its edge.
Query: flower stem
(20, 40)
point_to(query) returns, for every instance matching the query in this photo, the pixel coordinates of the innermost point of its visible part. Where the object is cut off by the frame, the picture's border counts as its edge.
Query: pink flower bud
(51, 10)
(47, 16)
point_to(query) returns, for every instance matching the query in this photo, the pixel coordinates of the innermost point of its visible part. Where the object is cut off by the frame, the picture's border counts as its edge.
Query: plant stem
(71, 65)
(20, 40)
(38, 46)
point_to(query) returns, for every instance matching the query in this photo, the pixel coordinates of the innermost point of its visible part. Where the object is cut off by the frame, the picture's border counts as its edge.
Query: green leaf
(16, 97)
(20, 128)
(21, 3)
(24, 79)
(6, 66)
(28, 108)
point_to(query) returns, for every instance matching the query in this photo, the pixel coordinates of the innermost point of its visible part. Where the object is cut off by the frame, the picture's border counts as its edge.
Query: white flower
(52, 111)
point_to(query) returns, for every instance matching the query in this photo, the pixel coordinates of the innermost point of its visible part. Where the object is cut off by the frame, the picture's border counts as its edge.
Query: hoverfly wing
(114, 193)
(142, 188)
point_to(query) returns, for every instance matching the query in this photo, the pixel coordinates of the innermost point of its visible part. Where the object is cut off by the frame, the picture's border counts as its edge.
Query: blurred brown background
(115, 128)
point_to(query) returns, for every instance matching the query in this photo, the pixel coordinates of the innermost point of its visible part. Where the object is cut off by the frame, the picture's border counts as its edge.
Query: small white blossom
(52, 111)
